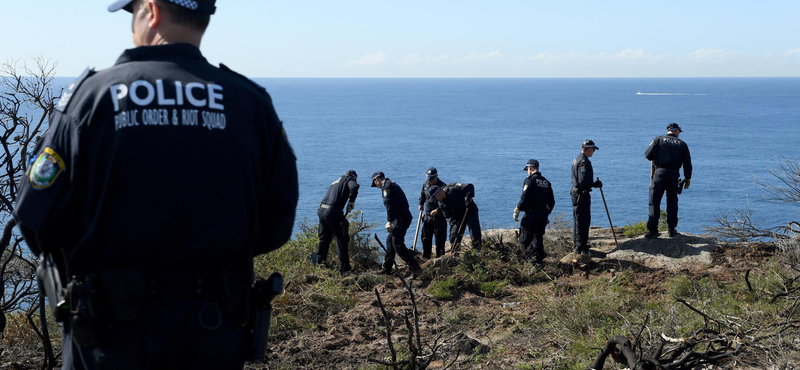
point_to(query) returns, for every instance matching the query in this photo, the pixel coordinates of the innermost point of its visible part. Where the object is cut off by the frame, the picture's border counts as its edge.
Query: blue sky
(500, 38)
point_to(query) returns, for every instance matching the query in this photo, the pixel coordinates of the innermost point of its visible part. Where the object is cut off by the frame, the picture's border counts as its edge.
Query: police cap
(431, 174)
(351, 173)
(200, 6)
(531, 163)
(433, 190)
(589, 144)
(376, 175)
(674, 127)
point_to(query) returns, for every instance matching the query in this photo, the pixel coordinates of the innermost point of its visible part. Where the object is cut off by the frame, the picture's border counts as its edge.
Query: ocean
(482, 131)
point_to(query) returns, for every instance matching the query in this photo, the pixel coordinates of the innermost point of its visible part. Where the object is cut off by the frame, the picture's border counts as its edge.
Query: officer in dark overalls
(454, 200)
(582, 184)
(158, 181)
(433, 221)
(332, 220)
(537, 202)
(667, 154)
(398, 219)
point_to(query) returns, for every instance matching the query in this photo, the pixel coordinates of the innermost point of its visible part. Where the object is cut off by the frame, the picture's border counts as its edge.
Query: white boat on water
(639, 93)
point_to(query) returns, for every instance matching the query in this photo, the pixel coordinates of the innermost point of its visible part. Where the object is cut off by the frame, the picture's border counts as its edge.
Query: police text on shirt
(142, 94)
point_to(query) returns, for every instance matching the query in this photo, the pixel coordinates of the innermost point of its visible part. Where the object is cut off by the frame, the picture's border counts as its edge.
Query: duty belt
(668, 166)
(325, 206)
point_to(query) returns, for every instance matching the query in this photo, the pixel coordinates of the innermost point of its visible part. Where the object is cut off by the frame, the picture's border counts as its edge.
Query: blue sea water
(483, 131)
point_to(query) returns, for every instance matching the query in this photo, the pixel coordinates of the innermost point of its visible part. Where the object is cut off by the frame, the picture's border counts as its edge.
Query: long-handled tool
(416, 233)
(609, 215)
(461, 228)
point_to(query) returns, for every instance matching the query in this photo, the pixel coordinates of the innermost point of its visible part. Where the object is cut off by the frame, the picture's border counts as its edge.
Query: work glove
(420, 207)
(598, 184)
(434, 212)
(388, 226)
(350, 207)
(516, 214)
(686, 183)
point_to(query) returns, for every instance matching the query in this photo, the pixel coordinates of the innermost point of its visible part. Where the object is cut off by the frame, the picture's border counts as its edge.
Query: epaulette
(237, 74)
(63, 102)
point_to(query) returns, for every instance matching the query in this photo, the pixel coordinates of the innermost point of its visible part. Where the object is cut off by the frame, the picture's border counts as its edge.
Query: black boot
(651, 234)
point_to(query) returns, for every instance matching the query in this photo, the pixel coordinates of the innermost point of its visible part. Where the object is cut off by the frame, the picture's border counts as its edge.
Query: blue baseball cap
(531, 163)
(589, 144)
(375, 175)
(674, 127)
(201, 6)
(431, 174)
(433, 190)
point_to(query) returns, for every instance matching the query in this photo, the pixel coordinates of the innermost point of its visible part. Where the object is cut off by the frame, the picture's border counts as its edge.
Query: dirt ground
(348, 339)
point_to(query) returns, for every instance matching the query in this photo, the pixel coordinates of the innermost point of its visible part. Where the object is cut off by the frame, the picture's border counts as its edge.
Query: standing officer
(582, 184)
(398, 219)
(537, 202)
(454, 200)
(433, 221)
(667, 153)
(132, 185)
(332, 221)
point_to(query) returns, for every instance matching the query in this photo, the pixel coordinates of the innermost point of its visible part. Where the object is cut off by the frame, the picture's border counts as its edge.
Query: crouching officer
(398, 219)
(433, 221)
(131, 186)
(332, 220)
(537, 202)
(455, 200)
(667, 154)
(582, 184)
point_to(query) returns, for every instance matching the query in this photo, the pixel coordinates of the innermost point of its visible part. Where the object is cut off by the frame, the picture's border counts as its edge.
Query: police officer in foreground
(157, 183)
(582, 184)
(332, 220)
(537, 202)
(398, 219)
(454, 201)
(668, 154)
(433, 221)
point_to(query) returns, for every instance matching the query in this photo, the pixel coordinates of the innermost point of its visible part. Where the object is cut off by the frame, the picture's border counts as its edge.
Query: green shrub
(493, 288)
(444, 289)
(293, 260)
(640, 228)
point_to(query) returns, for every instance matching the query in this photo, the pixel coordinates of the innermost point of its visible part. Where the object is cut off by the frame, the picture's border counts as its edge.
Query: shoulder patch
(583, 169)
(46, 169)
(63, 102)
(385, 192)
(525, 187)
(237, 74)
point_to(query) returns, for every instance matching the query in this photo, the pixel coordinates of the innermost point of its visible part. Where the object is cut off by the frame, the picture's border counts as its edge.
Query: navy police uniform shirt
(668, 151)
(537, 195)
(425, 199)
(582, 173)
(395, 201)
(164, 161)
(343, 189)
(454, 205)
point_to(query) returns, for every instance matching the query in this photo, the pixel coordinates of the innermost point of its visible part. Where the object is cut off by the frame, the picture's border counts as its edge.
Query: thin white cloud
(369, 59)
(792, 52)
(451, 59)
(712, 53)
(626, 54)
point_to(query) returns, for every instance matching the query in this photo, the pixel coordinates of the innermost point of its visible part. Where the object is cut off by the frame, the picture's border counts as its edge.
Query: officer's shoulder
(261, 90)
(70, 92)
